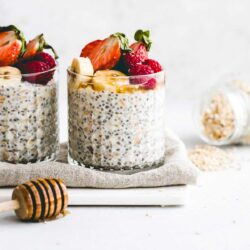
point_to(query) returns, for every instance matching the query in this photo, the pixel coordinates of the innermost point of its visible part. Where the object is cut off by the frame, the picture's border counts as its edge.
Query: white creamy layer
(28, 121)
(116, 130)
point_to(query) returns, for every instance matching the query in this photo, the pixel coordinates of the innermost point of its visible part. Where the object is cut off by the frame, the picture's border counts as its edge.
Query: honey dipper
(38, 200)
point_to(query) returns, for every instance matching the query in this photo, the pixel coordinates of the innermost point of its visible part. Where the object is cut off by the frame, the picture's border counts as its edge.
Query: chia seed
(127, 133)
(28, 122)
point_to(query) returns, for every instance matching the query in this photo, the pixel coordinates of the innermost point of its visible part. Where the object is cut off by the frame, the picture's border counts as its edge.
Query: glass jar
(28, 117)
(223, 117)
(116, 123)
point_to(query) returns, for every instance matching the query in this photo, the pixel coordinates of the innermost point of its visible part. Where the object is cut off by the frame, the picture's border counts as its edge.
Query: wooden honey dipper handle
(9, 205)
(38, 200)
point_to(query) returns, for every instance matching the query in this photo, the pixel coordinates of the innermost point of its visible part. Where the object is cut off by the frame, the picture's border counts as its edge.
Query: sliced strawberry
(12, 44)
(37, 45)
(86, 51)
(105, 54)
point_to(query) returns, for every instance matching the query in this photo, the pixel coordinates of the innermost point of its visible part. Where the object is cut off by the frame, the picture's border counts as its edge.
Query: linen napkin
(177, 170)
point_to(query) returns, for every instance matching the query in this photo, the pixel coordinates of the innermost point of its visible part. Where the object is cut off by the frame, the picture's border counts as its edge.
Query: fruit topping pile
(26, 61)
(106, 64)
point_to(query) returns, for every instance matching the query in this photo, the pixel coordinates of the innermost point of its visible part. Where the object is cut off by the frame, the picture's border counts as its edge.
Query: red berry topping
(154, 65)
(140, 72)
(87, 50)
(105, 54)
(136, 56)
(12, 45)
(46, 58)
(140, 49)
(37, 45)
(151, 84)
(30, 67)
(140, 69)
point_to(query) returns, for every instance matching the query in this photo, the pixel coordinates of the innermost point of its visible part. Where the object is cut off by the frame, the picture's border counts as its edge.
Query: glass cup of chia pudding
(28, 118)
(28, 101)
(116, 98)
(115, 124)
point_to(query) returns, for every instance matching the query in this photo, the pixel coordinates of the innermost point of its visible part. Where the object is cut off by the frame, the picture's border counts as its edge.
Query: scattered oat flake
(2, 98)
(210, 158)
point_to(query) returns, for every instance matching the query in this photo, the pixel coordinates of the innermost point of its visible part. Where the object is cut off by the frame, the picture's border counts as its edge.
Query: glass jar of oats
(223, 115)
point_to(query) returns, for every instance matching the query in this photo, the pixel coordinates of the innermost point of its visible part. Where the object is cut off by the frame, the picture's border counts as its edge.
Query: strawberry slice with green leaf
(139, 49)
(12, 45)
(105, 54)
(144, 37)
(37, 45)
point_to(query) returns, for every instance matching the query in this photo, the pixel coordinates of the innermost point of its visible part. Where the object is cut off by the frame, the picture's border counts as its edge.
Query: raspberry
(34, 66)
(46, 58)
(155, 66)
(140, 69)
(151, 84)
(137, 55)
(140, 73)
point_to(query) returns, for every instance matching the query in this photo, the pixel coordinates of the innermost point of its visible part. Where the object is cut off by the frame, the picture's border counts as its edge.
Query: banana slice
(10, 75)
(128, 88)
(109, 80)
(83, 68)
(111, 77)
(101, 86)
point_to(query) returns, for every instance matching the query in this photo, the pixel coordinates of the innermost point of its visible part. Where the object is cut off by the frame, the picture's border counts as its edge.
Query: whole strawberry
(12, 45)
(154, 65)
(139, 49)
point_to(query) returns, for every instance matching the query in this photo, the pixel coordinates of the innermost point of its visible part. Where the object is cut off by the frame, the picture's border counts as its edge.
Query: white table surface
(217, 215)
(197, 42)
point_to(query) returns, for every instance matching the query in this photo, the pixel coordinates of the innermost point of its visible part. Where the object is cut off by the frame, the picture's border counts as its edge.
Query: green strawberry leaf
(144, 37)
(124, 41)
(44, 45)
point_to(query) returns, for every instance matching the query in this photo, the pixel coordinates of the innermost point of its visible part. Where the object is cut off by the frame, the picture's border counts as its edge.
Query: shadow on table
(7, 219)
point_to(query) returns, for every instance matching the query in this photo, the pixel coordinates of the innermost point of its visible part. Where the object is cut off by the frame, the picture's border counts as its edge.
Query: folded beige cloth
(177, 170)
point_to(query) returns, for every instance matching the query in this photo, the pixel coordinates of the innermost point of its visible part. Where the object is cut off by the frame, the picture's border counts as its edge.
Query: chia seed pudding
(114, 130)
(28, 98)
(28, 122)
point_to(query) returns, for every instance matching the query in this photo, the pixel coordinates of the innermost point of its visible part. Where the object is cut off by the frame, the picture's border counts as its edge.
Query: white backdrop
(196, 40)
